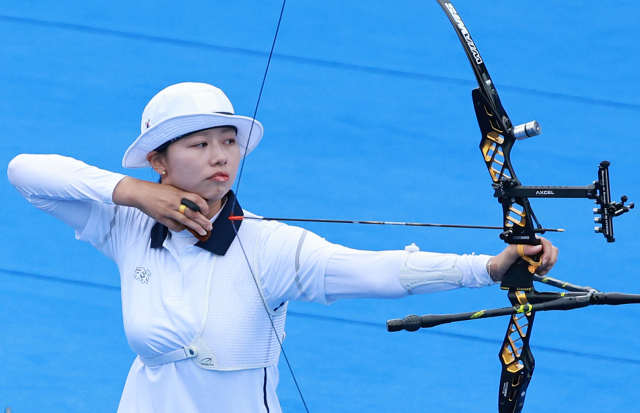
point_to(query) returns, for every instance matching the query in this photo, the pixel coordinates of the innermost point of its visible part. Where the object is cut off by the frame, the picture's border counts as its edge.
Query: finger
(550, 258)
(198, 201)
(188, 222)
(194, 215)
(173, 225)
(191, 205)
(532, 250)
(549, 253)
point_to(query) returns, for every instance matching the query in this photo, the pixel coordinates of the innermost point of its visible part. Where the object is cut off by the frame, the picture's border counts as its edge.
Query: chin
(214, 195)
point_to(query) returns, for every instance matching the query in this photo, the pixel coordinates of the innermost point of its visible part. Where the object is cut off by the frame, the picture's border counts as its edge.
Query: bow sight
(509, 191)
(498, 137)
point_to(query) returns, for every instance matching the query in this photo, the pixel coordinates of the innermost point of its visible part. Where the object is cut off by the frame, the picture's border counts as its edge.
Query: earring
(164, 172)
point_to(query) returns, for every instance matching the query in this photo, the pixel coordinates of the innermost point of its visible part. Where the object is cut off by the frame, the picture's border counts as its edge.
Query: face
(204, 162)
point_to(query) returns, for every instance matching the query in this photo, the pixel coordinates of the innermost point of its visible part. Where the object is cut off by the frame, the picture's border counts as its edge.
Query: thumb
(531, 250)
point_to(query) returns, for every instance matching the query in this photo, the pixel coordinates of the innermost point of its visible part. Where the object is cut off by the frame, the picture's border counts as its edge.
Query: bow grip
(519, 276)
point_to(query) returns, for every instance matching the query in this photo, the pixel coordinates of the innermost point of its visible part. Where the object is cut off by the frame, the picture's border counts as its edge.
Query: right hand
(162, 203)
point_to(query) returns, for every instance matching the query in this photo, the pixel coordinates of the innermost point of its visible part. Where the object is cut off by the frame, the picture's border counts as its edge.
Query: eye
(200, 145)
(230, 141)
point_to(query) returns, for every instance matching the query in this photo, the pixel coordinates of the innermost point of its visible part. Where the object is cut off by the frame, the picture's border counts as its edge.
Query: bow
(498, 135)
(520, 226)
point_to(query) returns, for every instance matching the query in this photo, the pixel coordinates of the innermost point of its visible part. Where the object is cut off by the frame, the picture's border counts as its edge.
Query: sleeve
(298, 265)
(368, 274)
(292, 263)
(78, 194)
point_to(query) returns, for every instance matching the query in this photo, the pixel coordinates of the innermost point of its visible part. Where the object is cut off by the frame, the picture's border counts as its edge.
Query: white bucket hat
(184, 108)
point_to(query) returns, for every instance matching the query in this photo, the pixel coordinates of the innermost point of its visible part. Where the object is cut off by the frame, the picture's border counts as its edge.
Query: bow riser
(496, 142)
(517, 363)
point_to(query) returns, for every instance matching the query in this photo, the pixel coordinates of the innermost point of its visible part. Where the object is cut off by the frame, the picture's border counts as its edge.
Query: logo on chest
(142, 275)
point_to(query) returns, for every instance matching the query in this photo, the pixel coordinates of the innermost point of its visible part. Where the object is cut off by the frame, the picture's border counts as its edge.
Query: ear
(157, 162)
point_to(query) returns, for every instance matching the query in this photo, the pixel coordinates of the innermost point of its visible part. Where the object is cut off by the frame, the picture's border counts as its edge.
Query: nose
(217, 154)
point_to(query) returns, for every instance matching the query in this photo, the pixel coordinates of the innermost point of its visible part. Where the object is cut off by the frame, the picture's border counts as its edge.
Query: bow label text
(465, 33)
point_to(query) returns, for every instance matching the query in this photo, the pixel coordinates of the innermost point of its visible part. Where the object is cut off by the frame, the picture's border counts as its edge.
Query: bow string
(238, 180)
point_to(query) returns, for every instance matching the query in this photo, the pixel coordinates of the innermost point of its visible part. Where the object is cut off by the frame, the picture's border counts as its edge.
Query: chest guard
(238, 328)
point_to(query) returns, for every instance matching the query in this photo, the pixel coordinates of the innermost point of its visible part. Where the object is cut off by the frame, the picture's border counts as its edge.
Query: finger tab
(190, 204)
(200, 237)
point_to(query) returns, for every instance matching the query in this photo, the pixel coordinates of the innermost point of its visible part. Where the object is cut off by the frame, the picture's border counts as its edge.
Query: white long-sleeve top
(164, 316)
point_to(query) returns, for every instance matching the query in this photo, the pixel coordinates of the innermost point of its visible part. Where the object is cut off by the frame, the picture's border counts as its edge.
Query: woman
(204, 296)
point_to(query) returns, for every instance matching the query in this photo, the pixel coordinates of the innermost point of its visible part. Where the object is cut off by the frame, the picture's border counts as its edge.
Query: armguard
(428, 280)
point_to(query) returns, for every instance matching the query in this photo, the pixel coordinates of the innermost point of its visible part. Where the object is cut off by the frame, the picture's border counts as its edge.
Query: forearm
(129, 191)
(367, 274)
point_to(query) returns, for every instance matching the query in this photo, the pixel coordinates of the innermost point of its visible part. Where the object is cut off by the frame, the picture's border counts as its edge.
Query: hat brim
(136, 155)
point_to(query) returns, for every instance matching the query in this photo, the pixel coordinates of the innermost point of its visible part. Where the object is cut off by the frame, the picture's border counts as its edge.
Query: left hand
(501, 262)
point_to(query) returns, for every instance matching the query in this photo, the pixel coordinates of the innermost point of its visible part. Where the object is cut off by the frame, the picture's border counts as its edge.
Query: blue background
(368, 115)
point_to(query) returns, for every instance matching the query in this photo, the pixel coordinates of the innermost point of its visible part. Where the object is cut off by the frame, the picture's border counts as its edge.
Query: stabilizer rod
(566, 301)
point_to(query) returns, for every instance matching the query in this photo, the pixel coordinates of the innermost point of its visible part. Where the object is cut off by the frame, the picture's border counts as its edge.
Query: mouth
(219, 177)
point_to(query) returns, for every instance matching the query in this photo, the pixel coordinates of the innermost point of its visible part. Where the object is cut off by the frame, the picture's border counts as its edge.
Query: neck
(214, 207)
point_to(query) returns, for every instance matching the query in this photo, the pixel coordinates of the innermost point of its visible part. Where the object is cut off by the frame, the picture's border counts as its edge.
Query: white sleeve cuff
(474, 268)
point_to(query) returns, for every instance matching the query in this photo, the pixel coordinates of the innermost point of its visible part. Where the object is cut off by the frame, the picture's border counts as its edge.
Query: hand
(501, 262)
(162, 203)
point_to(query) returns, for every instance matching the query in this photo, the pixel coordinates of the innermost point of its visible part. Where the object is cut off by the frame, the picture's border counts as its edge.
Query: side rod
(561, 284)
(566, 301)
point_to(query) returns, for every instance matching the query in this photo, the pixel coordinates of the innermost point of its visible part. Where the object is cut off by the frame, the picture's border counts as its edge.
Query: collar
(222, 234)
